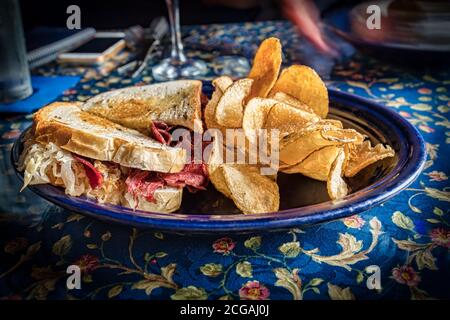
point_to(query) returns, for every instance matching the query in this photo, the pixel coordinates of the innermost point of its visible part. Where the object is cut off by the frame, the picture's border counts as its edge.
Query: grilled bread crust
(176, 103)
(88, 135)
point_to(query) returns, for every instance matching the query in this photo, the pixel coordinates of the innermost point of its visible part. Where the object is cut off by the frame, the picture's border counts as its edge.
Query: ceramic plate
(303, 200)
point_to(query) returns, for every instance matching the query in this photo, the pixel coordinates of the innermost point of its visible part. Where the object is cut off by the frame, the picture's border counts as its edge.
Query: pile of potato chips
(295, 103)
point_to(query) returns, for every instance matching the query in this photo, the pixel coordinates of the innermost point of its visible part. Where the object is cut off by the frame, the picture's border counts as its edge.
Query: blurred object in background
(177, 65)
(44, 44)
(318, 48)
(410, 30)
(243, 40)
(419, 23)
(305, 15)
(15, 81)
(236, 4)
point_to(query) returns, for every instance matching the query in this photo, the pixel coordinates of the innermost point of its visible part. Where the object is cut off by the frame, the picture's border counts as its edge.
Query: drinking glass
(177, 65)
(15, 81)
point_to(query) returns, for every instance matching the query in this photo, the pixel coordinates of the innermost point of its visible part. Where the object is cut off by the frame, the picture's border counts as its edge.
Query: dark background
(102, 14)
(124, 13)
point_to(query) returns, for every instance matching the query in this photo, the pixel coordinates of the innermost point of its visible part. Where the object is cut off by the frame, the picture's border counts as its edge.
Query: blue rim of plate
(411, 159)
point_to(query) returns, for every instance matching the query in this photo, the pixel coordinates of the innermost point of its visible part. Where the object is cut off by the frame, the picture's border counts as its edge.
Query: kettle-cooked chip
(304, 84)
(215, 161)
(296, 147)
(285, 98)
(363, 155)
(255, 116)
(317, 165)
(291, 109)
(230, 108)
(343, 135)
(288, 119)
(336, 186)
(265, 68)
(252, 192)
(220, 85)
(331, 122)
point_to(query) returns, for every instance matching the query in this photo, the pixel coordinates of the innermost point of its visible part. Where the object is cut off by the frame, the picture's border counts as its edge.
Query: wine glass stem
(174, 19)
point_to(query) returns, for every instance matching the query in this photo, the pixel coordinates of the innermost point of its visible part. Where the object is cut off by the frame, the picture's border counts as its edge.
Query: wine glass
(177, 65)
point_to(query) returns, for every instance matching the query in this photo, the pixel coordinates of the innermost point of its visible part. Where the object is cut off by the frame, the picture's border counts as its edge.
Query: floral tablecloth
(407, 239)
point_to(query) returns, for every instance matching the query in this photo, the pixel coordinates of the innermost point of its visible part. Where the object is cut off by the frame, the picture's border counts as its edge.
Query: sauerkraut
(113, 186)
(50, 164)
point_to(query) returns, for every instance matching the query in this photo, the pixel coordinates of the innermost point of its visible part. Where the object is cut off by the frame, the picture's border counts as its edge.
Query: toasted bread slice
(167, 200)
(85, 134)
(176, 103)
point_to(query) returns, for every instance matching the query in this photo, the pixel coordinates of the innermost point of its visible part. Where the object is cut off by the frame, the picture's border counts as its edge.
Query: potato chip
(347, 149)
(295, 105)
(220, 84)
(255, 115)
(331, 122)
(215, 161)
(288, 119)
(317, 165)
(285, 98)
(304, 84)
(342, 135)
(252, 192)
(238, 145)
(265, 68)
(297, 147)
(230, 108)
(336, 186)
(363, 155)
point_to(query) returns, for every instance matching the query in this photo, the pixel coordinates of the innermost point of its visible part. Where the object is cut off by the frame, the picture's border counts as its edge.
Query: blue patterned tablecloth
(407, 238)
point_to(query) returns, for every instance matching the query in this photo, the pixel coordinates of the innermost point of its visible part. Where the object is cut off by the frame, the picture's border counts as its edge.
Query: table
(406, 241)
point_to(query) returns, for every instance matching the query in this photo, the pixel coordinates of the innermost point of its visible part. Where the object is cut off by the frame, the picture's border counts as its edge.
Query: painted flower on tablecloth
(406, 275)
(443, 108)
(405, 114)
(355, 222)
(87, 263)
(426, 128)
(253, 290)
(424, 91)
(190, 293)
(15, 245)
(223, 245)
(290, 249)
(437, 175)
(211, 269)
(441, 237)
(432, 150)
(69, 92)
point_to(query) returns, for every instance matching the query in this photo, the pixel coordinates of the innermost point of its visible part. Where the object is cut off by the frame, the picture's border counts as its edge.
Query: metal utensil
(160, 28)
